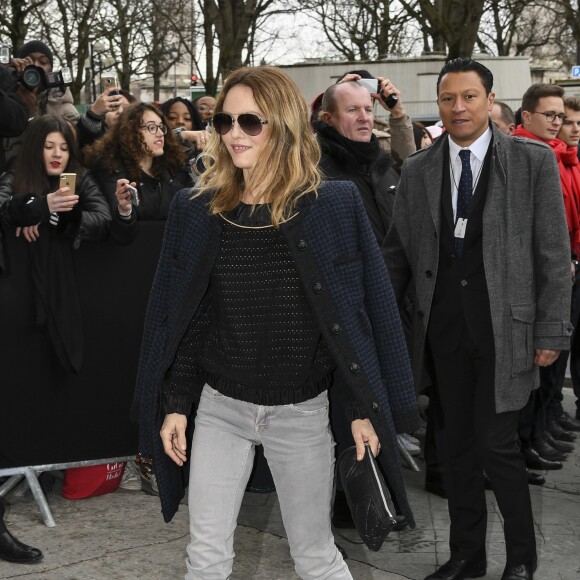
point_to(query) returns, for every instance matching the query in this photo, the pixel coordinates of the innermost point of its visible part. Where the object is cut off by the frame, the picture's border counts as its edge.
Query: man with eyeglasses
(543, 117)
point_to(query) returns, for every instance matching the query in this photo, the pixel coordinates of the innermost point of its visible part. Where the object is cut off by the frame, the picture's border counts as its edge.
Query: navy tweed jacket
(344, 274)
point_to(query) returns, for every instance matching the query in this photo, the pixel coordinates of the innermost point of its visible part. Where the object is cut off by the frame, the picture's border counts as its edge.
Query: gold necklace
(254, 227)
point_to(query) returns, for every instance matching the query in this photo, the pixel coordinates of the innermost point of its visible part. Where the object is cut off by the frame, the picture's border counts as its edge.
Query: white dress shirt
(478, 152)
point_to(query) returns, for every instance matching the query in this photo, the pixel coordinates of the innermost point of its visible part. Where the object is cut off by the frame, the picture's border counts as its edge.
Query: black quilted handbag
(368, 497)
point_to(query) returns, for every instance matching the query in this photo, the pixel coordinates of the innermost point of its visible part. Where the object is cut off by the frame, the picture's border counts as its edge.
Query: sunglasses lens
(222, 123)
(250, 124)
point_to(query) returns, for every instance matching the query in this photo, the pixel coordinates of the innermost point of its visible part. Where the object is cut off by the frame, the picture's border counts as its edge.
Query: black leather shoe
(560, 434)
(534, 461)
(458, 569)
(536, 478)
(402, 522)
(547, 451)
(13, 550)
(519, 572)
(561, 446)
(566, 422)
(434, 484)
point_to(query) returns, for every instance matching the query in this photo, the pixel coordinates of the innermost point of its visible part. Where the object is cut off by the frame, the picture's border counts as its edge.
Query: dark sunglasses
(249, 123)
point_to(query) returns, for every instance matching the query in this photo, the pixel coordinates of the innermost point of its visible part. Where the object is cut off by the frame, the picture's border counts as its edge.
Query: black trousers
(550, 396)
(472, 437)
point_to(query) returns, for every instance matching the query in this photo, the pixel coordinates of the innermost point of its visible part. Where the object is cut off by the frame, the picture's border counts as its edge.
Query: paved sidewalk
(121, 536)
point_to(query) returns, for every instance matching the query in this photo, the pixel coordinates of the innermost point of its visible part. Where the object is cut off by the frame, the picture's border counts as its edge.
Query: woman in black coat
(138, 151)
(53, 220)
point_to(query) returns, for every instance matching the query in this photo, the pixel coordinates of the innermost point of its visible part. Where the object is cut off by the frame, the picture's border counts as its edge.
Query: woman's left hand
(30, 233)
(364, 432)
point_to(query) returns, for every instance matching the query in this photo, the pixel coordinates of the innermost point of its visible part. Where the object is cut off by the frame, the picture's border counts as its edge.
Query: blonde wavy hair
(287, 169)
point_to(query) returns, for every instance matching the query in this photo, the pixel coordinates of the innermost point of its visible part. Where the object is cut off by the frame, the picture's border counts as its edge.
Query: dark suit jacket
(460, 297)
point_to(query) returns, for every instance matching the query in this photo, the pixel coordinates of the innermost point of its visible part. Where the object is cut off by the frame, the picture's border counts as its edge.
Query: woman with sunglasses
(138, 151)
(269, 280)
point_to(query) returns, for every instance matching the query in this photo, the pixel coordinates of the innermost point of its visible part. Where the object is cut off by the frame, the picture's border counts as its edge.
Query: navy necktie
(464, 191)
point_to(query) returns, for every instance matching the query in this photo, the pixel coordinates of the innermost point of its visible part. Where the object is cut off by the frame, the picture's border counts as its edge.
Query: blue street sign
(575, 74)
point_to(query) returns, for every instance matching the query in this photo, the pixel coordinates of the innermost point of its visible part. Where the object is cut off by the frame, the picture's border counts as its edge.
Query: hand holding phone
(371, 85)
(60, 201)
(108, 82)
(133, 195)
(69, 180)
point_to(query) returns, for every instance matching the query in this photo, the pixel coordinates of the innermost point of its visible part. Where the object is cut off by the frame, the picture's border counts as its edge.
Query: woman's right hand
(173, 437)
(122, 194)
(106, 102)
(61, 200)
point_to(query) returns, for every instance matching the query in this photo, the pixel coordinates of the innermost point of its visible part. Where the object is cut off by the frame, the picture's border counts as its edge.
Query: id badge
(460, 227)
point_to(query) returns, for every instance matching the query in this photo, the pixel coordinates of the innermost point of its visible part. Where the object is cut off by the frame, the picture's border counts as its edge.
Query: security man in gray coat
(479, 227)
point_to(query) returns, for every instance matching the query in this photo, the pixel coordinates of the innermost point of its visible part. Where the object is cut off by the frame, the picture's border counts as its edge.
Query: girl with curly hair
(139, 151)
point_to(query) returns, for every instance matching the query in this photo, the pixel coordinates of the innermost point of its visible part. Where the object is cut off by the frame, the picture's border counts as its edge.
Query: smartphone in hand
(107, 82)
(69, 180)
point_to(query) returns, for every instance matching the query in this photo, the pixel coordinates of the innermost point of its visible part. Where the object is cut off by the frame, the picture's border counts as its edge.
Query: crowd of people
(343, 266)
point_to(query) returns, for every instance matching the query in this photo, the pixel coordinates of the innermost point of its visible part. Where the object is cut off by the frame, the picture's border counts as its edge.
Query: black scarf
(363, 153)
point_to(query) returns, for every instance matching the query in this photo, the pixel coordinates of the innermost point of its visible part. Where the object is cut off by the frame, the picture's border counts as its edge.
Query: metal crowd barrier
(28, 477)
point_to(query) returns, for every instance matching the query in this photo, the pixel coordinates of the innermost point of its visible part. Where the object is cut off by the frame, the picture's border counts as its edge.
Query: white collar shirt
(478, 152)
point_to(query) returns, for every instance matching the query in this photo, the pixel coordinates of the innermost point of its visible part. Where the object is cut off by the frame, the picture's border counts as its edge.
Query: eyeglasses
(551, 117)
(152, 128)
(249, 123)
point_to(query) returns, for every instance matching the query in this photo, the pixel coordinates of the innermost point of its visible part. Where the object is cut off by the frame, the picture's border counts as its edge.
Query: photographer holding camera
(55, 100)
(39, 89)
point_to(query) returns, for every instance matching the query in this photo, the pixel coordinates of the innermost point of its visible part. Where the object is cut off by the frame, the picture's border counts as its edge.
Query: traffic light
(194, 79)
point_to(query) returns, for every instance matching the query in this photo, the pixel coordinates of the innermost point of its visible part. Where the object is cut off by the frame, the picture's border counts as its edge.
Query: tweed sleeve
(157, 308)
(182, 380)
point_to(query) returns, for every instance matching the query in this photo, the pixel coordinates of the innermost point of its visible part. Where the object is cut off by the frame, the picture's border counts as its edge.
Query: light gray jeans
(299, 448)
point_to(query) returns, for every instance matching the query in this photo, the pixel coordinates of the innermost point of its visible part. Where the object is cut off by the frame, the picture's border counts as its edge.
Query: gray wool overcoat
(526, 253)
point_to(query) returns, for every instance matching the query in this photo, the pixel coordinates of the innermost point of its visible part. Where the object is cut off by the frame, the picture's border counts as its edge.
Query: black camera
(33, 77)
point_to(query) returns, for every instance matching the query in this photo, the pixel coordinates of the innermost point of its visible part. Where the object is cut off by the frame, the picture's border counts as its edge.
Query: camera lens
(31, 77)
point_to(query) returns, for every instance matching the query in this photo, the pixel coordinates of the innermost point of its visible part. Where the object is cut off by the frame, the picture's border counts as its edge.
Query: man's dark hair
(507, 115)
(539, 91)
(464, 64)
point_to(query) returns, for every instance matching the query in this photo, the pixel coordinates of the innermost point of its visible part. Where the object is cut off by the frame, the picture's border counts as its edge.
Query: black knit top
(260, 342)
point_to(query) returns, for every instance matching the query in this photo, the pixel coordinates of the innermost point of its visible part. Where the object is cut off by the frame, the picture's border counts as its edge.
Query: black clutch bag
(368, 497)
